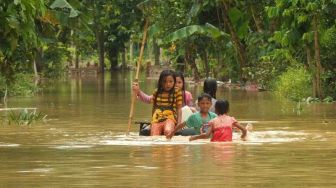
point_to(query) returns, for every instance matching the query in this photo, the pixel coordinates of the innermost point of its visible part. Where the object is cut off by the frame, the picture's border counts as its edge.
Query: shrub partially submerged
(25, 117)
(22, 85)
(294, 84)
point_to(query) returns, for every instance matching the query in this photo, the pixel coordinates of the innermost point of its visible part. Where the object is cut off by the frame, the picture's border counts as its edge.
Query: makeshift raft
(144, 128)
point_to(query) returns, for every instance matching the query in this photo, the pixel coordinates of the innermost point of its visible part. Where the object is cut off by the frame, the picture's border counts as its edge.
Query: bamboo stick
(137, 76)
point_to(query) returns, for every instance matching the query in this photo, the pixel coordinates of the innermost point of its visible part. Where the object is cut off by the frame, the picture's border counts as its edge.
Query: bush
(294, 84)
(23, 85)
(329, 85)
(54, 60)
(264, 72)
(25, 118)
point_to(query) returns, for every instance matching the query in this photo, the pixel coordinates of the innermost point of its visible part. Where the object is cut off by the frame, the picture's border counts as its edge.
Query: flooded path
(83, 143)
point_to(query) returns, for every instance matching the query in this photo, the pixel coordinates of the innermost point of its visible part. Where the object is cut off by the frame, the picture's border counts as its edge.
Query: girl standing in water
(167, 103)
(221, 127)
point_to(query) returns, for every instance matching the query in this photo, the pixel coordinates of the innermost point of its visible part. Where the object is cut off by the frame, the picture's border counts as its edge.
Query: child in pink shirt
(221, 127)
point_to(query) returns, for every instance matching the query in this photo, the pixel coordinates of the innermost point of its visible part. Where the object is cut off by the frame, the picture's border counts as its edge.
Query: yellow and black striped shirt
(167, 101)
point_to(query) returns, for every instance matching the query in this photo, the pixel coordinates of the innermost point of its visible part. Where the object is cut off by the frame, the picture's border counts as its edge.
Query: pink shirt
(222, 128)
(188, 98)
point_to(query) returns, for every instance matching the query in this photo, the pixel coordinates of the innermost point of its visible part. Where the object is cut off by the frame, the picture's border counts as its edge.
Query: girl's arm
(202, 136)
(179, 114)
(144, 97)
(178, 127)
(243, 129)
(141, 95)
(193, 109)
(178, 102)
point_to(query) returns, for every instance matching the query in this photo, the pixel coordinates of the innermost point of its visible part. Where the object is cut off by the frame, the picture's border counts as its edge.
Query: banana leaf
(64, 4)
(185, 32)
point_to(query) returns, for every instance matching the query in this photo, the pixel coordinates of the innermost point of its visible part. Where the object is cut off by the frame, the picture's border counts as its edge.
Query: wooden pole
(137, 76)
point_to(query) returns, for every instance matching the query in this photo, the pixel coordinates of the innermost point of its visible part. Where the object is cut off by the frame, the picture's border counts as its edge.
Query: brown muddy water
(83, 143)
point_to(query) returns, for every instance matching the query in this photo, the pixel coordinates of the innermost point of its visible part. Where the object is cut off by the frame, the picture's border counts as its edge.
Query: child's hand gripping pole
(135, 88)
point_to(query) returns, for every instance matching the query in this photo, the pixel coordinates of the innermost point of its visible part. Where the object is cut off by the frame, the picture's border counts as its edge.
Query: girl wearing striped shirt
(167, 103)
(187, 98)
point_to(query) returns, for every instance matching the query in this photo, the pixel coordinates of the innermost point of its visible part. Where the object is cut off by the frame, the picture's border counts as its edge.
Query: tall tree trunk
(6, 70)
(257, 19)
(273, 26)
(113, 57)
(73, 53)
(219, 63)
(194, 68)
(191, 59)
(123, 58)
(319, 68)
(39, 58)
(76, 58)
(204, 56)
(239, 47)
(148, 52)
(156, 51)
(36, 76)
(101, 49)
(131, 53)
(312, 69)
(99, 32)
(161, 53)
(220, 24)
(181, 63)
(35, 68)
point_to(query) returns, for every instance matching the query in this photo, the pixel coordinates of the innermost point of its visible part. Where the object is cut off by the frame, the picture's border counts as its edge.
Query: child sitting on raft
(210, 87)
(196, 120)
(221, 127)
(167, 103)
(187, 99)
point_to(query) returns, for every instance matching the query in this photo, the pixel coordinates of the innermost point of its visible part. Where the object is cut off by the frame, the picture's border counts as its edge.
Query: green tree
(18, 31)
(302, 24)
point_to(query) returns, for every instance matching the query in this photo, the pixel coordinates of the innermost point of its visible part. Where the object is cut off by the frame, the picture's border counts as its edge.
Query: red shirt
(222, 128)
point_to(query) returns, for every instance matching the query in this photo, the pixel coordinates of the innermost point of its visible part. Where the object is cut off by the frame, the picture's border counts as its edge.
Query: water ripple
(8, 145)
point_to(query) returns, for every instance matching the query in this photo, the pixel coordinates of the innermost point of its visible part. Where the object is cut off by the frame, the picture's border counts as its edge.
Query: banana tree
(18, 31)
(191, 34)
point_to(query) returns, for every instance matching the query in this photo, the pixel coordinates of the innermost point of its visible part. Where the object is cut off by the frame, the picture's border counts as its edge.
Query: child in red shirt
(221, 127)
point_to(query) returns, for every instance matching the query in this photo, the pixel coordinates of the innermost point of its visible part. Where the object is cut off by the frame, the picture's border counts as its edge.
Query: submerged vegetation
(25, 117)
(294, 84)
(285, 46)
(23, 84)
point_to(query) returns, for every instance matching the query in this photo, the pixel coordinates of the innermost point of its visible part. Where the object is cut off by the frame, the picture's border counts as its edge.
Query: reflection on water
(84, 143)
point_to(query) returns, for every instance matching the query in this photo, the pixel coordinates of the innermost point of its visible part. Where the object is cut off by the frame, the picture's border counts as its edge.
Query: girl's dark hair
(181, 75)
(210, 87)
(160, 89)
(222, 107)
(162, 77)
(202, 96)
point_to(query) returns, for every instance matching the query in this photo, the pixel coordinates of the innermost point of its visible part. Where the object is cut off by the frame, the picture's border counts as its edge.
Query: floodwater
(83, 142)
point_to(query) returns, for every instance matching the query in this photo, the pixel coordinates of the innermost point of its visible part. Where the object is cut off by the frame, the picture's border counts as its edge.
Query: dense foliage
(294, 84)
(260, 41)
